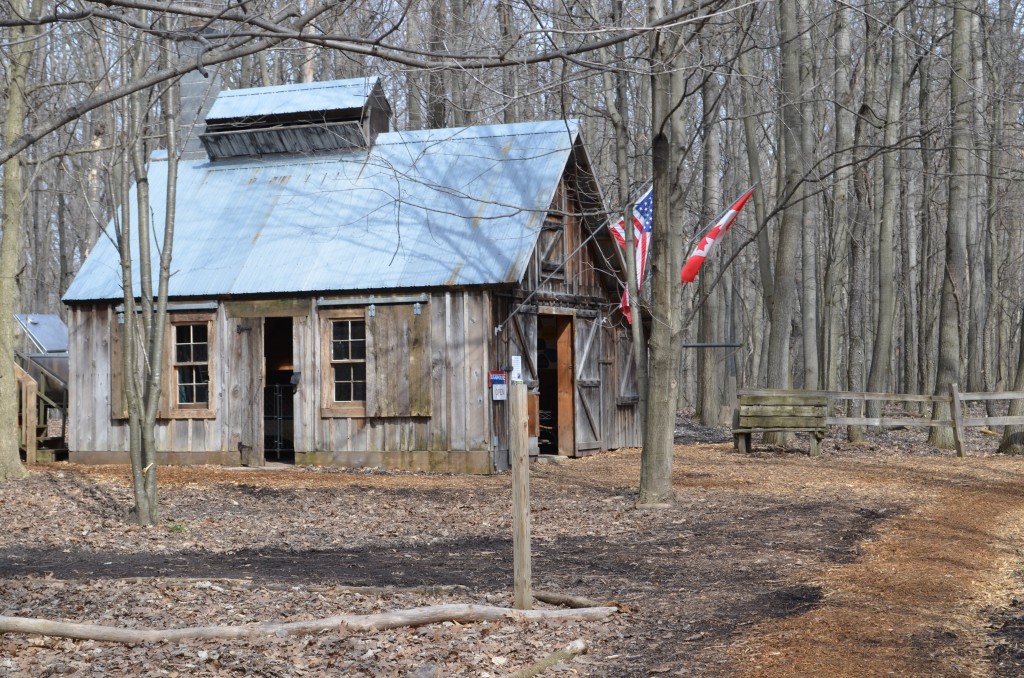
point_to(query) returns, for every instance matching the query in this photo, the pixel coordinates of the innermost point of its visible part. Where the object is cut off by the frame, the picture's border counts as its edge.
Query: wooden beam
(519, 443)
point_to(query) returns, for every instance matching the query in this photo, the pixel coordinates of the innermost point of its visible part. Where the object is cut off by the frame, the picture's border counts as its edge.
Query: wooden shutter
(398, 361)
(523, 342)
(118, 402)
(629, 392)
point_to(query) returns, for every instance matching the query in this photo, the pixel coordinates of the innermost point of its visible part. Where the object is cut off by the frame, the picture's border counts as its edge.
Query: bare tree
(954, 274)
(20, 49)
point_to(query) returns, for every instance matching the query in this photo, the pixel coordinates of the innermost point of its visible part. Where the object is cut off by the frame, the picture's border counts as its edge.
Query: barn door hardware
(242, 328)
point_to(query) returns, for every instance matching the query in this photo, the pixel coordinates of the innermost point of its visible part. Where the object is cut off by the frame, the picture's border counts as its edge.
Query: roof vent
(307, 118)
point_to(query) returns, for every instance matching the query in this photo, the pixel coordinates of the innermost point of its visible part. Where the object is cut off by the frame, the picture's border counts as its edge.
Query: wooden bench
(779, 412)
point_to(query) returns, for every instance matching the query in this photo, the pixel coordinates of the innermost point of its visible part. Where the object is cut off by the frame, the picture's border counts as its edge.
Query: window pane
(183, 353)
(182, 334)
(202, 374)
(199, 333)
(199, 353)
(339, 350)
(358, 350)
(202, 394)
(348, 358)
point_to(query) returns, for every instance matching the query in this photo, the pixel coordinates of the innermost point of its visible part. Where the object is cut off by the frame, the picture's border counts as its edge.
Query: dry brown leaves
(863, 562)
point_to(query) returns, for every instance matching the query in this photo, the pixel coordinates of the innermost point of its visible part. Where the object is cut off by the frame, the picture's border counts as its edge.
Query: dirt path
(919, 599)
(861, 562)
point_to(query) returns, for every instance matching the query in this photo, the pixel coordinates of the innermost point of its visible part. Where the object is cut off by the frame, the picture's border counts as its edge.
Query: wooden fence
(958, 420)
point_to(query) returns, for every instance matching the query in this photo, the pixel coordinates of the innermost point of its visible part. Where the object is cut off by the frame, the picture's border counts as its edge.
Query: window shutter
(397, 361)
(118, 402)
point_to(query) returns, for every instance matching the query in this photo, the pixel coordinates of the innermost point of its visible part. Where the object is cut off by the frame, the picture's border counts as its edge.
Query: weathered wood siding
(457, 418)
(607, 415)
(460, 427)
(447, 392)
(93, 431)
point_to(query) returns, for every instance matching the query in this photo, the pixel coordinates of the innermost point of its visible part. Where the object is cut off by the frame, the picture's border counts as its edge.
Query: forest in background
(882, 251)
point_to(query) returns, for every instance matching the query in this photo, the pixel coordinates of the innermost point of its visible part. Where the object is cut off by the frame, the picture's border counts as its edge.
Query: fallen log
(567, 600)
(417, 616)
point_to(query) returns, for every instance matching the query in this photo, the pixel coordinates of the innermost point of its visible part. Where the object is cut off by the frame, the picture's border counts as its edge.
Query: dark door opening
(555, 385)
(278, 391)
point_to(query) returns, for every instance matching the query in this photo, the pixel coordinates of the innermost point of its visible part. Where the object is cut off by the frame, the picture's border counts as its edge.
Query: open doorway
(278, 391)
(555, 385)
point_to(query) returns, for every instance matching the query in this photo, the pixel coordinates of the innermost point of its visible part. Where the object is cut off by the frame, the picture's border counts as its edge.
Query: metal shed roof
(47, 332)
(429, 208)
(331, 95)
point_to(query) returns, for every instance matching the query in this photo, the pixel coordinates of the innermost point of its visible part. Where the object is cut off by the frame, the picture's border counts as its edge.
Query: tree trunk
(1013, 436)
(413, 78)
(881, 355)
(980, 298)
(836, 264)
(809, 242)
(710, 361)
(862, 210)
(752, 139)
(662, 388)
(954, 289)
(616, 102)
(509, 81)
(20, 51)
(786, 275)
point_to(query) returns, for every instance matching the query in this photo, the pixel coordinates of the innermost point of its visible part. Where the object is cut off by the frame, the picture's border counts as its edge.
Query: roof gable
(429, 208)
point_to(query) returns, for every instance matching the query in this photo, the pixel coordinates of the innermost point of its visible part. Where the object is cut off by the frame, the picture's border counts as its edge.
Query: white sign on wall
(517, 369)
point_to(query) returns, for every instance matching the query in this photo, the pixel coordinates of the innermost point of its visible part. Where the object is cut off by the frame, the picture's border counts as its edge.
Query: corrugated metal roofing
(419, 209)
(48, 332)
(330, 95)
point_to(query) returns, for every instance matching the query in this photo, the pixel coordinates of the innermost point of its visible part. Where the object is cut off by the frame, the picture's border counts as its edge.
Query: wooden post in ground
(28, 393)
(958, 418)
(519, 444)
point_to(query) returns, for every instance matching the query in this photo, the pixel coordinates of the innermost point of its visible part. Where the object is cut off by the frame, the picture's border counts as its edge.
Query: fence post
(519, 444)
(958, 418)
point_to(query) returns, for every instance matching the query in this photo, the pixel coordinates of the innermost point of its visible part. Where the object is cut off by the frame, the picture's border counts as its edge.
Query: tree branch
(418, 616)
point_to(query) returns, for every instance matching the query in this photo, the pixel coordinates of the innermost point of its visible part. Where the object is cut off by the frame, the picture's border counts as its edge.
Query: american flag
(643, 219)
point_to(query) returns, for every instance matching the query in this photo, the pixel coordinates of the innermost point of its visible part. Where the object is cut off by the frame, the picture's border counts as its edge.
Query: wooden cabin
(347, 295)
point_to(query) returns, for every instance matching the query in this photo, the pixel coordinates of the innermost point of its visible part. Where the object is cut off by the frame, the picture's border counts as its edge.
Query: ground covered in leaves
(886, 558)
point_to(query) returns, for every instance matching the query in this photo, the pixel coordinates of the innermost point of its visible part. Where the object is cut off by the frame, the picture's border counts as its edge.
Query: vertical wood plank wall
(463, 416)
(461, 355)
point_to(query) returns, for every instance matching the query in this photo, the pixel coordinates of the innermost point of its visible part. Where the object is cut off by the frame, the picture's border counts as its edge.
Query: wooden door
(245, 379)
(588, 352)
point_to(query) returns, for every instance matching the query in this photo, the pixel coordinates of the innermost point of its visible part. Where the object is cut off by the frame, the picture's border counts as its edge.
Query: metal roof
(48, 332)
(430, 208)
(332, 95)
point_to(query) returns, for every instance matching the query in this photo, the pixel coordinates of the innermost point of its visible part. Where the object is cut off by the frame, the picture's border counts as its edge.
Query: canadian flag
(696, 259)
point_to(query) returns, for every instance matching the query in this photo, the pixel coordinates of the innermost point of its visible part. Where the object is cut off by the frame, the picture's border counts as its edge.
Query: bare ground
(888, 558)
